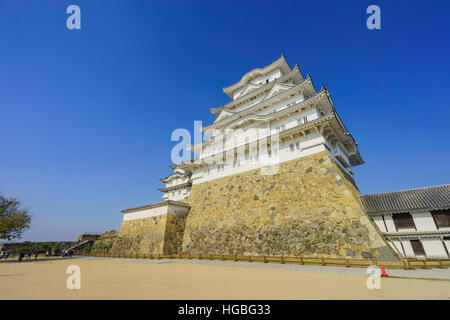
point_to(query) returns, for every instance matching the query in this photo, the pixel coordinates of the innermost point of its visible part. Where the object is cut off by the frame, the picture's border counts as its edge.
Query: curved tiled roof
(238, 100)
(429, 198)
(280, 62)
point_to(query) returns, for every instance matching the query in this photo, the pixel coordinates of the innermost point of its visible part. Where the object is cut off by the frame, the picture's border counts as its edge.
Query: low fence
(406, 264)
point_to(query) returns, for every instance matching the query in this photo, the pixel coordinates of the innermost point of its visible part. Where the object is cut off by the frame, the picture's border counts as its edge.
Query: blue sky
(86, 115)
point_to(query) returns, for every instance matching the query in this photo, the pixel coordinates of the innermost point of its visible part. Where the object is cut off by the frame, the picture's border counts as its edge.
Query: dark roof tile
(429, 198)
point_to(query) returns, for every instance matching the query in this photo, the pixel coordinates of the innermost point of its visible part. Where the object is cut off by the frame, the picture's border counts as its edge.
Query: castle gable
(267, 74)
(277, 89)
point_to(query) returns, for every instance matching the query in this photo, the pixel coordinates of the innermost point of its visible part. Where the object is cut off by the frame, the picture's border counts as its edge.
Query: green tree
(55, 250)
(25, 247)
(44, 247)
(13, 220)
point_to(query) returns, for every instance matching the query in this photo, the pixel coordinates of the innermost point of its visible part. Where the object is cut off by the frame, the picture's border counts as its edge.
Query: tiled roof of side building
(429, 198)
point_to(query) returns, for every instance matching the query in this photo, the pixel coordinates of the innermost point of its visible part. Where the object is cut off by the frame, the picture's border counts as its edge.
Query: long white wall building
(416, 221)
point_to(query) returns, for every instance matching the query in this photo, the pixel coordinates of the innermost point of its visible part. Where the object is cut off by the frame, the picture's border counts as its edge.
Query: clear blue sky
(86, 115)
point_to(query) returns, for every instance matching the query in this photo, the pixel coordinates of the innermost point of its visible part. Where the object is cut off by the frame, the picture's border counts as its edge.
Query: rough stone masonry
(309, 208)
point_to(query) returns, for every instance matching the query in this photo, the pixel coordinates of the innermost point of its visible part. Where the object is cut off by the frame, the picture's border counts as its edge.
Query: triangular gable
(222, 115)
(178, 173)
(250, 87)
(277, 89)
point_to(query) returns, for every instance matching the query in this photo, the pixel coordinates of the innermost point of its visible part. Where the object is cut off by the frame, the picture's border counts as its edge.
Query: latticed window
(441, 218)
(403, 221)
(417, 247)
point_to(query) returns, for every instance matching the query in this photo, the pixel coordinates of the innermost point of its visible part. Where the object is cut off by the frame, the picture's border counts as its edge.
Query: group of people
(66, 253)
(29, 253)
(4, 254)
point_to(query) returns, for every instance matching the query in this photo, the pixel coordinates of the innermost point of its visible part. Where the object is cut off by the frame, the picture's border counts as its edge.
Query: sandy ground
(111, 279)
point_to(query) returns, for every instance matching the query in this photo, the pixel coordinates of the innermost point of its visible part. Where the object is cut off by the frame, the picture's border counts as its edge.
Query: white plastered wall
(424, 221)
(157, 211)
(434, 248)
(379, 222)
(398, 247)
(408, 249)
(389, 223)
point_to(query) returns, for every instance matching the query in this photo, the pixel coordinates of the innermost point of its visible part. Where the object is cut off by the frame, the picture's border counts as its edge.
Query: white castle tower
(275, 115)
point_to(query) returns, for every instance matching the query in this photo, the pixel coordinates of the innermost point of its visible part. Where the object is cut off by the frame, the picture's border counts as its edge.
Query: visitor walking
(29, 255)
(21, 255)
(2, 254)
(7, 255)
(47, 253)
(36, 255)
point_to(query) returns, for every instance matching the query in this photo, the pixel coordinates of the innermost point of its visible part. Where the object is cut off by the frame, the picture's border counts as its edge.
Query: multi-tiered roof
(290, 82)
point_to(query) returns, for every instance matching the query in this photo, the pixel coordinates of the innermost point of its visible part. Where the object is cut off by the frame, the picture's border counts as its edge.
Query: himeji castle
(274, 177)
(275, 115)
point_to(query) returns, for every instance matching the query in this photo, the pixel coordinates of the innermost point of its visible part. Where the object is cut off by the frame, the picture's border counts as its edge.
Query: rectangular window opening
(417, 247)
(403, 221)
(441, 218)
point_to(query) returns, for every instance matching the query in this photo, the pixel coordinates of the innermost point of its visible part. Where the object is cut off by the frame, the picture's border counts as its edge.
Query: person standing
(2, 254)
(21, 255)
(7, 255)
(36, 255)
(29, 255)
(47, 253)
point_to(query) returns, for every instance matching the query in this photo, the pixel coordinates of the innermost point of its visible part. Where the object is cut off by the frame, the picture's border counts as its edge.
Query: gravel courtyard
(107, 278)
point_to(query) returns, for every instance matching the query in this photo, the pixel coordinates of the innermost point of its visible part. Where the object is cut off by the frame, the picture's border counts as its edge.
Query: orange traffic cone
(383, 272)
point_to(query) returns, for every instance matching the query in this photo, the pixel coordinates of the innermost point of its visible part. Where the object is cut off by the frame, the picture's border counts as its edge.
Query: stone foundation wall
(139, 236)
(157, 235)
(173, 237)
(309, 208)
